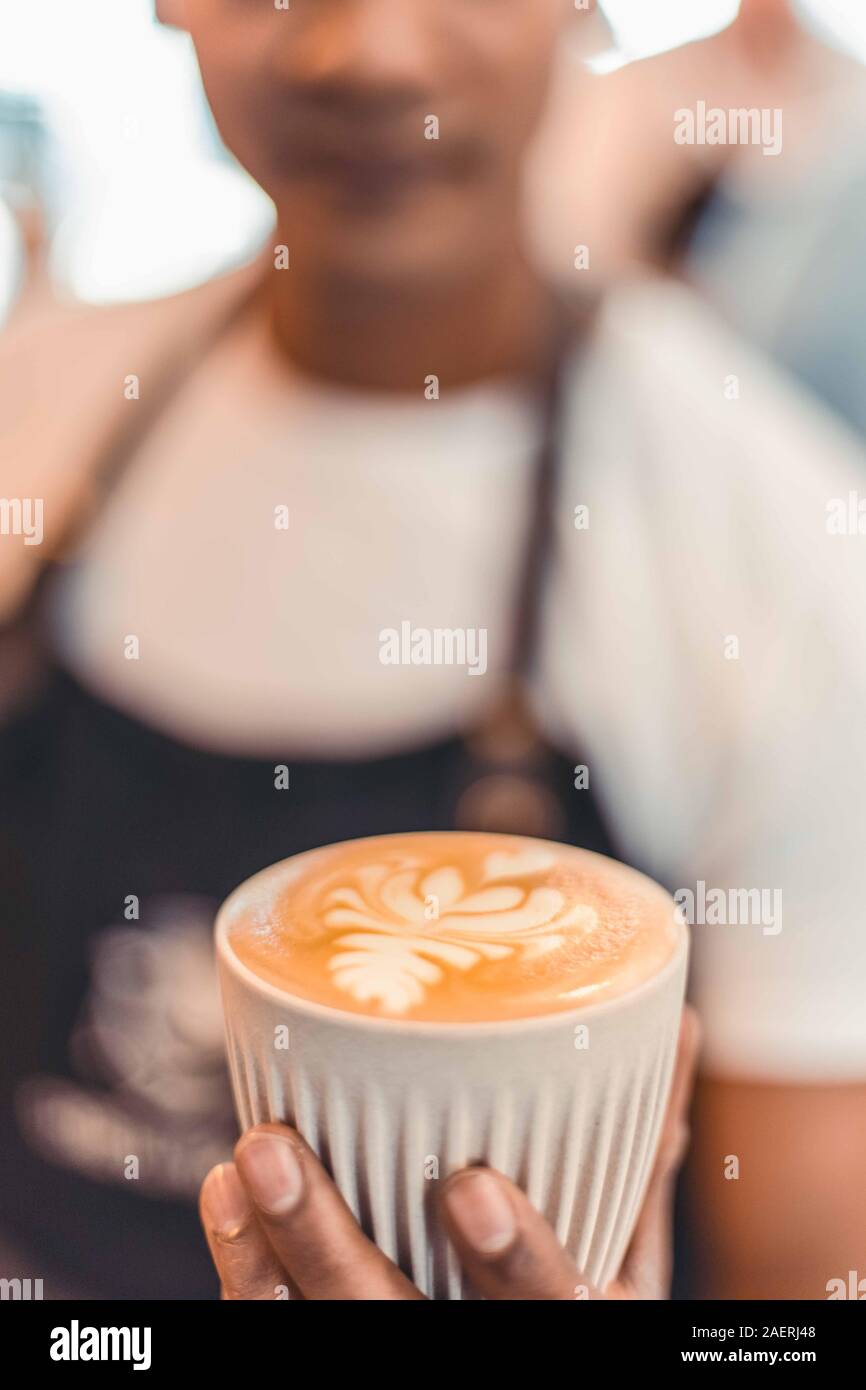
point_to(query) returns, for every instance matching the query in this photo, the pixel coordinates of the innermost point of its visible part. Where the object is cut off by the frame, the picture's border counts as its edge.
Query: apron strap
(507, 782)
(571, 325)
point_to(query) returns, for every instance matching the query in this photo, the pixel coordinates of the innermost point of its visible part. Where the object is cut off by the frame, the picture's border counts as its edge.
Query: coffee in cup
(413, 1003)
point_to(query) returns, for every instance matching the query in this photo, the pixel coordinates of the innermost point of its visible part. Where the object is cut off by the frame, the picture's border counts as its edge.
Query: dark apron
(117, 843)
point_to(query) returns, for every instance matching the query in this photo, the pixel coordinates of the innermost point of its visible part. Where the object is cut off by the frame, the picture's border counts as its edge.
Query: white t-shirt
(703, 637)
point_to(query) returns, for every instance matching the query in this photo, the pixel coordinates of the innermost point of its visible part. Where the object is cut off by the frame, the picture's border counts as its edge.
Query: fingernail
(227, 1205)
(272, 1171)
(482, 1213)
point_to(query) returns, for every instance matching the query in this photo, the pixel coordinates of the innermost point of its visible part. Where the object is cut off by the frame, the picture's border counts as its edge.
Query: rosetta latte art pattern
(407, 927)
(451, 927)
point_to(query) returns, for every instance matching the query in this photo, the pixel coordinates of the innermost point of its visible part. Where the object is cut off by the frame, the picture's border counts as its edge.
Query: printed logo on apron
(153, 1107)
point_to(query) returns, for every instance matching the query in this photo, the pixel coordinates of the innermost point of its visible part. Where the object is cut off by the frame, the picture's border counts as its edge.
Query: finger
(505, 1246)
(646, 1271)
(244, 1259)
(308, 1224)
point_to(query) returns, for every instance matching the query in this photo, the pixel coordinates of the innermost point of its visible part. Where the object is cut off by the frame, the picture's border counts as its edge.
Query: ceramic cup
(567, 1104)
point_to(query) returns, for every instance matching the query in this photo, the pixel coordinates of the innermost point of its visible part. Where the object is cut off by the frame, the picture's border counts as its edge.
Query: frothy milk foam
(452, 927)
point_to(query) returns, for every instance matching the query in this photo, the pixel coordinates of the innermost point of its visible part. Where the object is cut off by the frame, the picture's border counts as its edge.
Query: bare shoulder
(64, 347)
(65, 378)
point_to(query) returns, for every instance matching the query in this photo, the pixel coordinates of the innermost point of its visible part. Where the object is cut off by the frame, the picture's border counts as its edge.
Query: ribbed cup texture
(393, 1113)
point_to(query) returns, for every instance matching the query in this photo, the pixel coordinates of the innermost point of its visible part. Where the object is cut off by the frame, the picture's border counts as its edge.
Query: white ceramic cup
(569, 1105)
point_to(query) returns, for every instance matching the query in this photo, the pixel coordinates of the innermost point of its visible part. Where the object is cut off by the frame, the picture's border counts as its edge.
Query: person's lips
(370, 171)
(358, 162)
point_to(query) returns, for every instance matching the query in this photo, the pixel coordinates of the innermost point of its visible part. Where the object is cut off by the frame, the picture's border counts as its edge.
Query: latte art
(417, 925)
(455, 926)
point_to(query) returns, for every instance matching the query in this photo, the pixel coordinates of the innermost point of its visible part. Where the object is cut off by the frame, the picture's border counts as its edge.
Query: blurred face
(389, 133)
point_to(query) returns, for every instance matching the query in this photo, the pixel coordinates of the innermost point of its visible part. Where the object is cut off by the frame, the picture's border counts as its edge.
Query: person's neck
(392, 339)
(768, 35)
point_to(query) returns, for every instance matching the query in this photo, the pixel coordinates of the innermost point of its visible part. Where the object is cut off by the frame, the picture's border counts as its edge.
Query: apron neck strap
(571, 325)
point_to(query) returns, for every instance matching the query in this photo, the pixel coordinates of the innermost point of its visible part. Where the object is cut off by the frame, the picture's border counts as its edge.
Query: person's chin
(420, 240)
